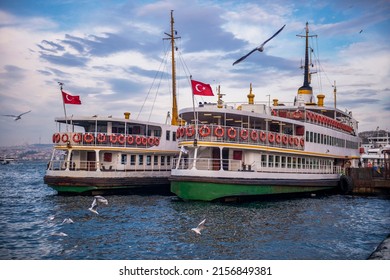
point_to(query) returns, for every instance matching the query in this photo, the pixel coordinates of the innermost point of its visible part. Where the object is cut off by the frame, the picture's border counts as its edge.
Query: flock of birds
(98, 199)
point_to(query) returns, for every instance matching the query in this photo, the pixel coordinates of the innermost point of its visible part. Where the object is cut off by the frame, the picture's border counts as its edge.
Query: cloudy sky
(112, 54)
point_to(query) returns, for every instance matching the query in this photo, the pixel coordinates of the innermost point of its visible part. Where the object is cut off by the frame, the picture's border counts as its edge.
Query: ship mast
(175, 115)
(305, 92)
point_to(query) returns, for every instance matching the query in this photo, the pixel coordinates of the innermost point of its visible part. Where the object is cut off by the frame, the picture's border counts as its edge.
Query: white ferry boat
(373, 151)
(107, 154)
(254, 149)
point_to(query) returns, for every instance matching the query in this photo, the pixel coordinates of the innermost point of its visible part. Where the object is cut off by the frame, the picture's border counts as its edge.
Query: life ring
(296, 141)
(138, 140)
(274, 113)
(291, 140)
(113, 138)
(263, 136)
(308, 115)
(285, 139)
(121, 139)
(150, 141)
(278, 138)
(56, 138)
(178, 134)
(232, 133)
(190, 131)
(101, 137)
(65, 138)
(88, 138)
(271, 137)
(219, 131)
(144, 141)
(130, 139)
(182, 131)
(302, 142)
(77, 137)
(254, 135)
(156, 141)
(244, 134)
(297, 114)
(204, 131)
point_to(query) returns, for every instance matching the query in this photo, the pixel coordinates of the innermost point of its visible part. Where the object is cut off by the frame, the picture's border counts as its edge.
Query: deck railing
(257, 166)
(62, 165)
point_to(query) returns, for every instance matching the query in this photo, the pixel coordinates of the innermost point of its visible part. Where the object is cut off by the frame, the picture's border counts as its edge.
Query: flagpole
(63, 103)
(193, 108)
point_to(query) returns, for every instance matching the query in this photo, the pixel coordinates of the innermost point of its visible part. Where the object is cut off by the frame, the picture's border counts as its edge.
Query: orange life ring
(101, 137)
(182, 131)
(65, 138)
(204, 131)
(274, 113)
(278, 138)
(219, 131)
(232, 133)
(263, 136)
(271, 137)
(56, 138)
(130, 139)
(244, 134)
(297, 114)
(302, 142)
(113, 138)
(121, 139)
(190, 131)
(77, 137)
(254, 135)
(144, 140)
(291, 140)
(156, 141)
(150, 141)
(284, 139)
(88, 138)
(296, 141)
(138, 140)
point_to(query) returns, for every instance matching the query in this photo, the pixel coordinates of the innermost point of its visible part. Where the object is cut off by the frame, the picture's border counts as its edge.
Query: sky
(112, 54)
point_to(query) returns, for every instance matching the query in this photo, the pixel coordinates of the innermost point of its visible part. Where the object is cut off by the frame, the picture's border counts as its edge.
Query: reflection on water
(158, 227)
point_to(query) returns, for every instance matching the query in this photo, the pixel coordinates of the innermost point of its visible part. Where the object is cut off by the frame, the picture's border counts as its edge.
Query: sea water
(133, 227)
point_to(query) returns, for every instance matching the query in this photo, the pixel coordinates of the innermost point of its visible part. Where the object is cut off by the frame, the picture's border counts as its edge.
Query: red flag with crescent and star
(71, 99)
(199, 88)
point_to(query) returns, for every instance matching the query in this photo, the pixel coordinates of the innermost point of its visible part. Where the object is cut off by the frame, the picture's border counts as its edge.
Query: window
(132, 159)
(174, 136)
(141, 160)
(123, 159)
(270, 161)
(168, 160)
(148, 160)
(155, 160)
(167, 135)
(162, 160)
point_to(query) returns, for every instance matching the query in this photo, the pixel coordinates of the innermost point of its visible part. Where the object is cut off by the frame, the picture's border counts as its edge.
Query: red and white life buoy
(138, 140)
(150, 141)
(278, 138)
(284, 139)
(130, 139)
(232, 133)
(219, 131)
(156, 141)
(144, 140)
(244, 134)
(297, 114)
(56, 138)
(263, 136)
(88, 138)
(77, 137)
(302, 142)
(204, 131)
(291, 140)
(121, 139)
(296, 141)
(190, 131)
(113, 138)
(65, 138)
(271, 137)
(254, 135)
(178, 134)
(101, 137)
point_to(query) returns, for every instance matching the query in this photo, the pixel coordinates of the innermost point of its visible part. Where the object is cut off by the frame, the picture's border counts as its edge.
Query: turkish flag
(71, 99)
(199, 88)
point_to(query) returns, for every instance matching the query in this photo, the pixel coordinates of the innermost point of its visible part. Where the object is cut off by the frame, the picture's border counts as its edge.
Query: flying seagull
(67, 221)
(94, 205)
(259, 48)
(18, 117)
(199, 227)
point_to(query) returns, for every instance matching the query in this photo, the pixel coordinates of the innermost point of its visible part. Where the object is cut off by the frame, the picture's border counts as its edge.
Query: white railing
(62, 165)
(257, 166)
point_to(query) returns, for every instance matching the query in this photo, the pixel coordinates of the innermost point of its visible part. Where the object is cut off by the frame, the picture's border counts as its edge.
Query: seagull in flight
(199, 227)
(259, 48)
(18, 117)
(97, 199)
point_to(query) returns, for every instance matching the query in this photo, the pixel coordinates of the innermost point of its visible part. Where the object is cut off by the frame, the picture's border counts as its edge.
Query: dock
(369, 181)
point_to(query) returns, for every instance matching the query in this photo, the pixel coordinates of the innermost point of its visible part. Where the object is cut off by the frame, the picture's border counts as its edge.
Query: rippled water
(158, 227)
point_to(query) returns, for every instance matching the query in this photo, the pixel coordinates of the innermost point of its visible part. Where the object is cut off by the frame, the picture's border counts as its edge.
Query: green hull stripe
(211, 191)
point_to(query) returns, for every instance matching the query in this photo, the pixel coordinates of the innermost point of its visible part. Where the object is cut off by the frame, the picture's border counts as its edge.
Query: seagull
(259, 48)
(67, 221)
(94, 205)
(199, 227)
(361, 31)
(18, 117)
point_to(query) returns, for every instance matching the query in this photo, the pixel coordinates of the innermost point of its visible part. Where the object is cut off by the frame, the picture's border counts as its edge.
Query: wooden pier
(369, 181)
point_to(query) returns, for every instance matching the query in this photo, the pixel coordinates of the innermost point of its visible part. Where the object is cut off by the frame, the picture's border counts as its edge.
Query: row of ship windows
(145, 159)
(320, 138)
(293, 162)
